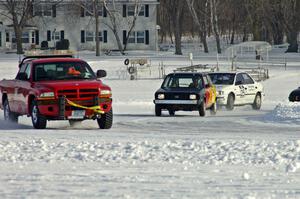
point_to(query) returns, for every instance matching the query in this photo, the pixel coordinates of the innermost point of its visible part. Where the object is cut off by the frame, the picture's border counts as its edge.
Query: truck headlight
(193, 97)
(105, 92)
(47, 95)
(161, 96)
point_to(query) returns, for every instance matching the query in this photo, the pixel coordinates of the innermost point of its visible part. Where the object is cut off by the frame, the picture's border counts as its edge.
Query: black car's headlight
(161, 96)
(193, 96)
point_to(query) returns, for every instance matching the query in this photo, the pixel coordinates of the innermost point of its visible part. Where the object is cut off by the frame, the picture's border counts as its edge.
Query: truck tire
(257, 102)
(38, 120)
(106, 120)
(202, 109)
(213, 109)
(8, 115)
(157, 110)
(230, 102)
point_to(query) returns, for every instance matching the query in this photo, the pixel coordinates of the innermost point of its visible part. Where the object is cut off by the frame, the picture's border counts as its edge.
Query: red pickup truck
(56, 87)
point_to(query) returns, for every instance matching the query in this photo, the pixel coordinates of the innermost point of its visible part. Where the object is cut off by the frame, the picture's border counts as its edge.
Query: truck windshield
(222, 78)
(63, 71)
(184, 81)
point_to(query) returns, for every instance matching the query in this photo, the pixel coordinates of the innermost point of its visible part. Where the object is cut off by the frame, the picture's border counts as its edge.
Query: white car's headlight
(47, 94)
(105, 92)
(161, 96)
(193, 97)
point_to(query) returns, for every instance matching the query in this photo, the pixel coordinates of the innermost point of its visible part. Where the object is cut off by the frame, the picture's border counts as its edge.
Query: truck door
(23, 87)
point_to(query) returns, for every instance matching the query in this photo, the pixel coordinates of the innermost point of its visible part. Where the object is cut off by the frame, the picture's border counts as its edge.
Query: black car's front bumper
(176, 105)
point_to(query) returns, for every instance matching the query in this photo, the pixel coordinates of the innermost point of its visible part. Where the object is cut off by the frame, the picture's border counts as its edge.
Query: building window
(89, 36)
(89, 10)
(7, 36)
(43, 10)
(100, 36)
(25, 37)
(131, 10)
(56, 35)
(142, 11)
(131, 38)
(140, 37)
(32, 38)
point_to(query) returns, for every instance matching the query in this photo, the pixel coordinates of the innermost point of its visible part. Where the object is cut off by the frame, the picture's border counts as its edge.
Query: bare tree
(214, 23)
(200, 19)
(115, 18)
(93, 8)
(19, 12)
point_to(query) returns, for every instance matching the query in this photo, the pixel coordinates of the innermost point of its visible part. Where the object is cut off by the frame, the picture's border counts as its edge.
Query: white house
(66, 20)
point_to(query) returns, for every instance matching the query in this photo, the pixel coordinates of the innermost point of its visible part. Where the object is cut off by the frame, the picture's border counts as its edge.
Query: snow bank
(286, 113)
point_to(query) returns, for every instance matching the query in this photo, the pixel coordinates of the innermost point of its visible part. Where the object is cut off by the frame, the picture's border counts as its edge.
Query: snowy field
(239, 154)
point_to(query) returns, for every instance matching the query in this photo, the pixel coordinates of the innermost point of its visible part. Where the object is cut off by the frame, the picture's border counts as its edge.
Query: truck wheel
(106, 120)
(230, 102)
(202, 109)
(38, 121)
(8, 115)
(171, 112)
(257, 102)
(213, 109)
(157, 110)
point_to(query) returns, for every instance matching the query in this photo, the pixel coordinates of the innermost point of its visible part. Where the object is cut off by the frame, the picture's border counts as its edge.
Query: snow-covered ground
(243, 153)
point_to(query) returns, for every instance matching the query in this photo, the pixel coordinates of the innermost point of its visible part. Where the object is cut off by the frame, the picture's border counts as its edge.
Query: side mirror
(207, 86)
(101, 73)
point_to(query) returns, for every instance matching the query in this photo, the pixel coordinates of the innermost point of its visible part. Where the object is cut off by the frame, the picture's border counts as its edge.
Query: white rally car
(236, 89)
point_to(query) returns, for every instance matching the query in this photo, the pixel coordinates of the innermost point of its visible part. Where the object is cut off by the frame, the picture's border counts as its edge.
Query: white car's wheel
(230, 102)
(257, 102)
(213, 109)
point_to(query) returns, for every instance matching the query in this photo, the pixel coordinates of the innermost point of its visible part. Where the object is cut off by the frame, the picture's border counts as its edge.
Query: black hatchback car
(188, 91)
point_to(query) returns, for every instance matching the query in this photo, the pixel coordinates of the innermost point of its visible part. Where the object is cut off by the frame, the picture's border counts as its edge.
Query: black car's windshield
(222, 78)
(63, 71)
(183, 81)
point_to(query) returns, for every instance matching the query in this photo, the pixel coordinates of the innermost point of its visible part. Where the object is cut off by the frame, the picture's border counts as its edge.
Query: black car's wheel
(257, 102)
(74, 122)
(157, 110)
(106, 120)
(38, 120)
(230, 102)
(202, 109)
(213, 109)
(171, 112)
(8, 115)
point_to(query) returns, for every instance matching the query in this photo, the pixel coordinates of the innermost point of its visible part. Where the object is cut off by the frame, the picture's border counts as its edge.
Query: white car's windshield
(63, 71)
(222, 78)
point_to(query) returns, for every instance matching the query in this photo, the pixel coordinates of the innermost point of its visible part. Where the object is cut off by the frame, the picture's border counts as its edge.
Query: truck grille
(78, 93)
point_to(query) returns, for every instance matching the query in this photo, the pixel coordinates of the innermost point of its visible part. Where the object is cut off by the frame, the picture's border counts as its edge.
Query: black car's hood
(178, 90)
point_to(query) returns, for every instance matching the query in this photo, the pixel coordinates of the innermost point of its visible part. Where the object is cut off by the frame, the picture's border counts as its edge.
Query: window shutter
(124, 11)
(37, 37)
(105, 36)
(146, 10)
(81, 12)
(48, 35)
(124, 36)
(104, 12)
(82, 36)
(53, 10)
(147, 37)
(62, 35)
